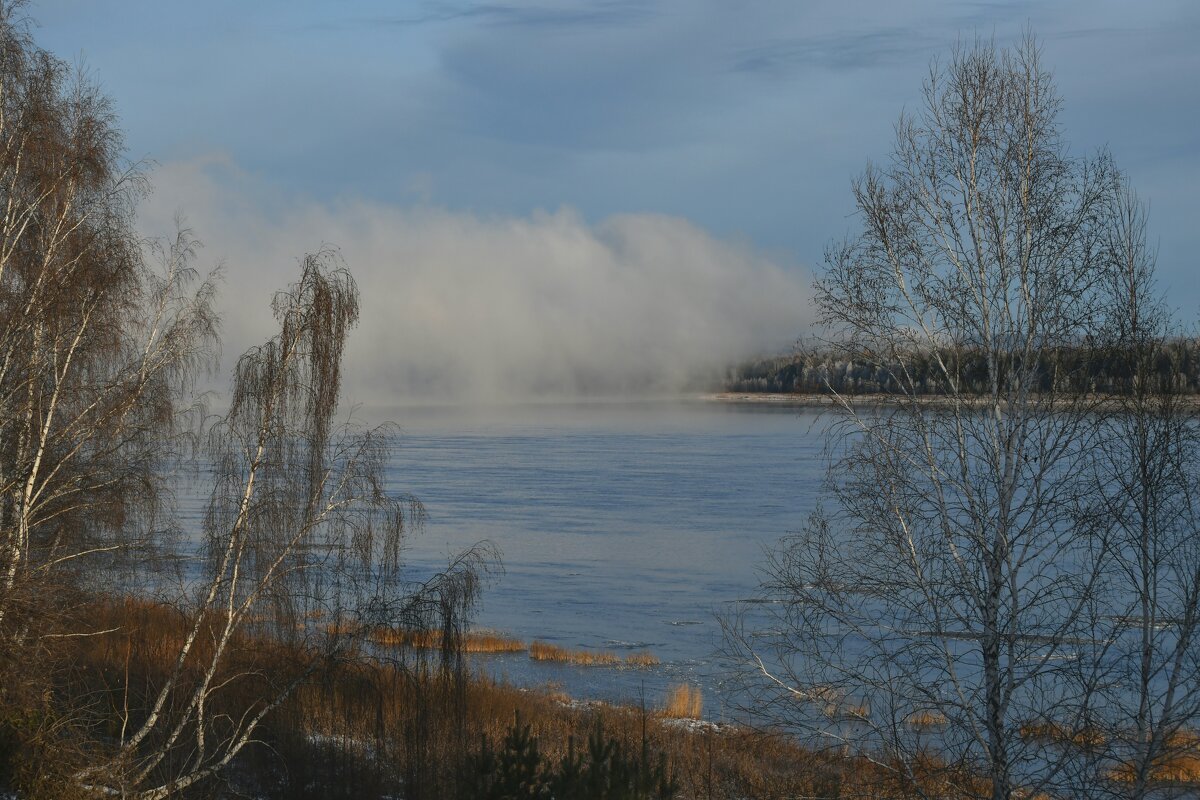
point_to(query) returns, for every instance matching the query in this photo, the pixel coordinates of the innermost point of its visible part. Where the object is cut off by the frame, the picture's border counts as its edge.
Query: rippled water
(622, 525)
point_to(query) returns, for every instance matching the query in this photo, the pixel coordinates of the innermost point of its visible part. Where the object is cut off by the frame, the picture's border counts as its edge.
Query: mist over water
(467, 308)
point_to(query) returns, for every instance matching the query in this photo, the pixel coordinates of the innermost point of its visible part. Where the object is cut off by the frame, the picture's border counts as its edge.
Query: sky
(572, 195)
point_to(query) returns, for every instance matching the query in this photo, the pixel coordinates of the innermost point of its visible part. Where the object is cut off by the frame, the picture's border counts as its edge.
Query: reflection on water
(623, 526)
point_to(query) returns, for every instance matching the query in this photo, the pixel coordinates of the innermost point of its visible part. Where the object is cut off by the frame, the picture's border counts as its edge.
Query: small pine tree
(604, 772)
(517, 772)
(567, 781)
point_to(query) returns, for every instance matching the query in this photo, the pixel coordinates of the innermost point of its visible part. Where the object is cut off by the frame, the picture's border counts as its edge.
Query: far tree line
(1082, 369)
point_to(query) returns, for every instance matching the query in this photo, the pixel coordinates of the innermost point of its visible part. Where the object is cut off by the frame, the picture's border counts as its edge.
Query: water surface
(623, 525)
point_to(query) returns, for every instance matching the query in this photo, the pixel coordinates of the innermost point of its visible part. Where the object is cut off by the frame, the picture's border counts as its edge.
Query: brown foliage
(472, 641)
(1179, 762)
(684, 701)
(361, 726)
(543, 651)
(1048, 730)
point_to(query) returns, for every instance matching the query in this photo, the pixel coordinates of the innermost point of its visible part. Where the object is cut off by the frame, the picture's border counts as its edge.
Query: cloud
(588, 14)
(465, 307)
(860, 50)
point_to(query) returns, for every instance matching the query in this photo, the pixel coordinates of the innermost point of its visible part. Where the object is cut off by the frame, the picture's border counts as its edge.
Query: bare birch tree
(302, 551)
(937, 610)
(97, 343)
(101, 337)
(1142, 669)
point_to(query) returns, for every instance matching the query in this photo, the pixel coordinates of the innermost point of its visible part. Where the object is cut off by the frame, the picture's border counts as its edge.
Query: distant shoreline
(776, 398)
(807, 400)
(810, 400)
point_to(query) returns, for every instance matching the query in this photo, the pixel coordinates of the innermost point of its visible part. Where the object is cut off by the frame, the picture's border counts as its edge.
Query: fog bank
(460, 307)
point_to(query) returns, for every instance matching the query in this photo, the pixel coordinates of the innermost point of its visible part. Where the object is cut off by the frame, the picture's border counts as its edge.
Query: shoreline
(777, 398)
(1189, 402)
(807, 400)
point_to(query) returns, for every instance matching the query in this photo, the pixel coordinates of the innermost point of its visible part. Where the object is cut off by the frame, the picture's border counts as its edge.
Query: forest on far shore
(1082, 369)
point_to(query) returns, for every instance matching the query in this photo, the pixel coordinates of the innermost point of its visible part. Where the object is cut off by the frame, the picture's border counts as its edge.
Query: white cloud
(459, 306)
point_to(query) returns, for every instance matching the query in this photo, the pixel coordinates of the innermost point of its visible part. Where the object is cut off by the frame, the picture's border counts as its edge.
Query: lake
(623, 525)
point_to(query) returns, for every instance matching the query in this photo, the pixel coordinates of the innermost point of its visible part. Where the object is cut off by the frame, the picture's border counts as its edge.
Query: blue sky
(745, 121)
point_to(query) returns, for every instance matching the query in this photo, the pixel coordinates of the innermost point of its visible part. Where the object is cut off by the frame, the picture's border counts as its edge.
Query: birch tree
(98, 343)
(1143, 668)
(302, 551)
(102, 335)
(932, 617)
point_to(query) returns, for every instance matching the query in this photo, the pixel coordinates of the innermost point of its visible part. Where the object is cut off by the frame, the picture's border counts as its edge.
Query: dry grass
(833, 702)
(926, 718)
(838, 706)
(556, 694)
(1183, 740)
(1180, 762)
(1179, 768)
(429, 725)
(642, 658)
(1050, 731)
(473, 642)
(339, 627)
(543, 651)
(492, 642)
(684, 701)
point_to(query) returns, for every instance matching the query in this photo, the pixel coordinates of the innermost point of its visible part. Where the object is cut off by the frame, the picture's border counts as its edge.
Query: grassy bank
(406, 721)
